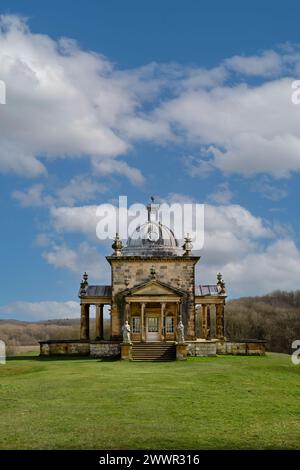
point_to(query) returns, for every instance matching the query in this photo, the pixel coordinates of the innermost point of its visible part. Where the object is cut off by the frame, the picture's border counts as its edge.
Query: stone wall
(79, 348)
(202, 348)
(138, 271)
(105, 349)
(212, 348)
(168, 271)
(242, 348)
(113, 349)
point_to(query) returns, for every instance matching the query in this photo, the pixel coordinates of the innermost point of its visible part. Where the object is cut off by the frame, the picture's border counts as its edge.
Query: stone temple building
(153, 294)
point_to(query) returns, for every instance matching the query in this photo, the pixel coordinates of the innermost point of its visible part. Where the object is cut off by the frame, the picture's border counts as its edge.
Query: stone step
(153, 352)
(149, 345)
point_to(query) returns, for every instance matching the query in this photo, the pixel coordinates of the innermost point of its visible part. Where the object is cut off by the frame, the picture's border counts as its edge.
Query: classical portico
(152, 309)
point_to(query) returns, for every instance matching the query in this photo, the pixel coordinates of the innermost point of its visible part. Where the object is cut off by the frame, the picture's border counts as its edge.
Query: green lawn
(206, 403)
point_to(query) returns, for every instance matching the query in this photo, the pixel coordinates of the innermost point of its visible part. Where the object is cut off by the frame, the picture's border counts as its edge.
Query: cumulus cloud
(38, 311)
(80, 219)
(61, 101)
(231, 232)
(269, 63)
(222, 194)
(64, 102)
(273, 192)
(106, 167)
(33, 197)
(83, 258)
(259, 271)
(81, 188)
(243, 129)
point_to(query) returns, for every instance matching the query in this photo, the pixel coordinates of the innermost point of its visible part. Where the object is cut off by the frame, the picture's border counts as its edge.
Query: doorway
(152, 329)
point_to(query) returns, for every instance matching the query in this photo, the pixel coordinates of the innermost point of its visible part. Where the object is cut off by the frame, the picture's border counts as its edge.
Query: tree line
(274, 317)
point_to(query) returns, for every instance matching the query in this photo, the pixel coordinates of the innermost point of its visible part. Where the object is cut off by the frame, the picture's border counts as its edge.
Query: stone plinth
(181, 351)
(105, 349)
(242, 348)
(65, 348)
(80, 348)
(202, 348)
(126, 351)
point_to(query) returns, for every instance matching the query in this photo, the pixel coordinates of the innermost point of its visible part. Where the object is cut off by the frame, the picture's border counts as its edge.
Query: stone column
(162, 321)
(198, 321)
(220, 321)
(116, 327)
(190, 323)
(85, 322)
(99, 322)
(176, 319)
(127, 312)
(204, 321)
(143, 322)
(209, 333)
(176, 314)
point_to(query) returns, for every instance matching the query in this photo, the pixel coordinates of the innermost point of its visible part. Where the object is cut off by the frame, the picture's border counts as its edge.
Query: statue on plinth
(126, 333)
(180, 332)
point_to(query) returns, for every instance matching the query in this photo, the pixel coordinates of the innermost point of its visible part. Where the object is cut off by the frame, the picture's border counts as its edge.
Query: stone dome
(152, 238)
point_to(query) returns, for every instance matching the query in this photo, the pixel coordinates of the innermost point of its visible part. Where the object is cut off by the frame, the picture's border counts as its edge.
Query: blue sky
(189, 101)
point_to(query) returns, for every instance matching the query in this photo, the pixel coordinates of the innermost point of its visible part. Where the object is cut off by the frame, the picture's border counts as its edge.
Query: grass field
(205, 403)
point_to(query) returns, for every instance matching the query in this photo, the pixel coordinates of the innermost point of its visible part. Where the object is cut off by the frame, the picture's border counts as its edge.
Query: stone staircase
(153, 352)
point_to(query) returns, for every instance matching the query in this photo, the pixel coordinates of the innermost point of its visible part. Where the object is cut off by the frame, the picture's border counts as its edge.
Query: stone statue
(126, 333)
(180, 332)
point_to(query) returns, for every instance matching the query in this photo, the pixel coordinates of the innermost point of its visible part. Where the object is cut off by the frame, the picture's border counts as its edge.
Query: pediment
(154, 288)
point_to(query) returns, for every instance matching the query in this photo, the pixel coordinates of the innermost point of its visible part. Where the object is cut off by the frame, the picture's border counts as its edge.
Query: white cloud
(84, 219)
(222, 194)
(115, 167)
(61, 101)
(245, 129)
(64, 102)
(269, 63)
(250, 154)
(81, 188)
(38, 311)
(84, 258)
(80, 219)
(230, 233)
(268, 190)
(33, 197)
(260, 271)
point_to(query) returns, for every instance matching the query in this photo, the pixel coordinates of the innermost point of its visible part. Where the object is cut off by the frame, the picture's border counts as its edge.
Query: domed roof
(152, 238)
